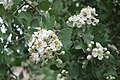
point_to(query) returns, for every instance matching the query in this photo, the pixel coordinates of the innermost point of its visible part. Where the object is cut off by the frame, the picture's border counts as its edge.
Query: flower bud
(66, 72)
(92, 42)
(62, 52)
(106, 57)
(59, 75)
(88, 49)
(98, 44)
(107, 77)
(105, 49)
(63, 71)
(90, 45)
(108, 52)
(83, 66)
(59, 61)
(113, 77)
(89, 57)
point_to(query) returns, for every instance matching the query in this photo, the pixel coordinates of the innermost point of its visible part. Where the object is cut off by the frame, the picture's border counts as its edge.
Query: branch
(33, 7)
(19, 8)
(9, 69)
(14, 13)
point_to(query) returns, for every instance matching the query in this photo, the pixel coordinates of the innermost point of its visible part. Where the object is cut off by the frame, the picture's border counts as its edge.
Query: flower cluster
(25, 7)
(44, 45)
(63, 75)
(97, 51)
(110, 77)
(86, 16)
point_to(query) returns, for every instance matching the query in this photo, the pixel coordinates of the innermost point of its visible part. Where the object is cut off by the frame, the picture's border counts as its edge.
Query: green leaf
(88, 37)
(80, 45)
(49, 20)
(65, 36)
(44, 5)
(57, 6)
(34, 23)
(74, 70)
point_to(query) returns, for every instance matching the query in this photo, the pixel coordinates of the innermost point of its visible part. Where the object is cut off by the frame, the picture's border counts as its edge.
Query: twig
(19, 8)
(33, 7)
(9, 69)
(19, 39)
(14, 13)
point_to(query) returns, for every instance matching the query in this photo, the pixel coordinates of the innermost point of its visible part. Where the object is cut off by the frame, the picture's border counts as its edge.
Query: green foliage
(52, 15)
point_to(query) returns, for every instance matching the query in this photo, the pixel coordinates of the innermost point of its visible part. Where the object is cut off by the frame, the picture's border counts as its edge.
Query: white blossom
(86, 16)
(24, 8)
(3, 29)
(98, 51)
(45, 43)
(86, 13)
(9, 38)
(56, 45)
(35, 57)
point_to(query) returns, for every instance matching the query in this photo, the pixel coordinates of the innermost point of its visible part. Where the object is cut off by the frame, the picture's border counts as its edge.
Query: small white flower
(86, 16)
(95, 52)
(98, 52)
(40, 45)
(3, 29)
(77, 20)
(56, 45)
(93, 12)
(86, 13)
(35, 57)
(92, 20)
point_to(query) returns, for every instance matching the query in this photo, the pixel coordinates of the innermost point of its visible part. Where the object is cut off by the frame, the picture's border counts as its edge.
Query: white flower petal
(100, 57)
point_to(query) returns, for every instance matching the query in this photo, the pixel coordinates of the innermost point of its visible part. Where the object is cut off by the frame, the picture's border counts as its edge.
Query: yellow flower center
(39, 44)
(84, 14)
(45, 54)
(56, 43)
(78, 21)
(99, 52)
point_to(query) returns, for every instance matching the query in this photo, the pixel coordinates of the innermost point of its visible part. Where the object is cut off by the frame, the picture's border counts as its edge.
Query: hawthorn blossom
(86, 16)
(98, 51)
(44, 43)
